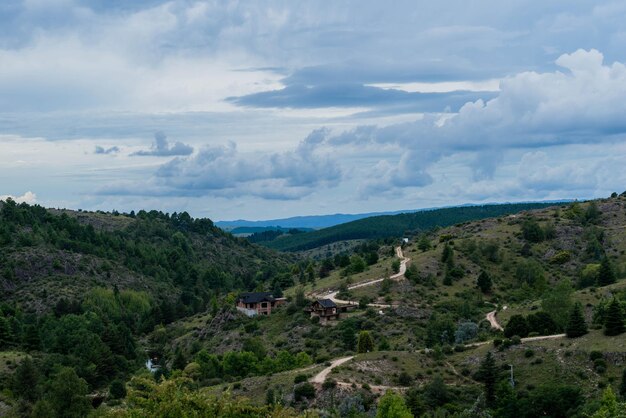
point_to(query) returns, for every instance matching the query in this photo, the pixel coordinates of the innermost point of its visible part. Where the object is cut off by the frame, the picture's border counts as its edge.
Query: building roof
(256, 297)
(327, 303)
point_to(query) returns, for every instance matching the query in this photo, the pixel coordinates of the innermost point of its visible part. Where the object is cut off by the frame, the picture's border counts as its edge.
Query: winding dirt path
(321, 376)
(403, 260)
(491, 317)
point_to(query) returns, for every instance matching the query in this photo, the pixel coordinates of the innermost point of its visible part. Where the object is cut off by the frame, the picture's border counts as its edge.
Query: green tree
(424, 243)
(391, 405)
(541, 323)
(488, 373)
(531, 231)
(484, 282)
(348, 335)
(610, 408)
(622, 386)
(576, 325)
(517, 325)
(310, 273)
(447, 255)
(68, 394)
(395, 266)
(117, 389)
(26, 380)
(606, 274)
(614, 319)
(365, 342)
(557, 302)
(436, 392)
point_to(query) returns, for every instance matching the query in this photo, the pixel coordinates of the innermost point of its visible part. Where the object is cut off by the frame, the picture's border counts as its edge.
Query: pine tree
(488, 373)
(424, 243)
(25, 380)
(606, 274)
(447, 256)
(622, 386)
(365, 342)
(576, 325)
(614, 319)
(484, 282)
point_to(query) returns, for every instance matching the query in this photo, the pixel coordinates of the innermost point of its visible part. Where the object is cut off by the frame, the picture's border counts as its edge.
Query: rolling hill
(397, 225)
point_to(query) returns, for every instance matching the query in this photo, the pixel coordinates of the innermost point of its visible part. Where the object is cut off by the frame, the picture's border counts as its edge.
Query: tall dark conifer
(488, 373)
(576, 325)
(614, 319)
(606, 274)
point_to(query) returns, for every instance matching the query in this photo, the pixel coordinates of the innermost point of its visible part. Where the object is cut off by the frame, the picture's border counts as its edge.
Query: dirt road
(321, 376)
(403, 260)
(491, 317)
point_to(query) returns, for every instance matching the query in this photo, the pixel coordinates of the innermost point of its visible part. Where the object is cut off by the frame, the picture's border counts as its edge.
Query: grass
(255, 388)
(9, 360)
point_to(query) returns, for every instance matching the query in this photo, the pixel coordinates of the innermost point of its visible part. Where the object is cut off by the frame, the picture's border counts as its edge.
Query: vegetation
(82, 312)
(397, 225)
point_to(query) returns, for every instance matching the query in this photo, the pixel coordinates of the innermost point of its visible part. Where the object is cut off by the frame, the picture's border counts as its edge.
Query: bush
(497, 342)
(529, 353)
(303, 391)
(329, 384)
(117, 389)
(405, 379)
(516, 340)
(594, 355)
(299, 379)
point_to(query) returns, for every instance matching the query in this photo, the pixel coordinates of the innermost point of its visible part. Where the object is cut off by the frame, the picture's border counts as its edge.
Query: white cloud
(28, 197)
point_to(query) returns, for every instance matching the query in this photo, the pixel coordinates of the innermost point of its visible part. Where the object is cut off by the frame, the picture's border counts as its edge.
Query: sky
(269, 109)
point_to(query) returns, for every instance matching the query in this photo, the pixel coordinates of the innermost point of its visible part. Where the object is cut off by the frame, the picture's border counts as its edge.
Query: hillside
(423, 334)
(312, 221)
(50, 254)
(397, 225)
(536, 262)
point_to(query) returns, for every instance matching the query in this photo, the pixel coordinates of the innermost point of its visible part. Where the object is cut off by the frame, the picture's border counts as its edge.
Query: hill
(424, 334)
(313, 221)
(48, 255)
(396, 225)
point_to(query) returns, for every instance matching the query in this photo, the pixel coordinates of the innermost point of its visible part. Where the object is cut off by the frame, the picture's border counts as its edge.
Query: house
(328, 310)
(258, 303)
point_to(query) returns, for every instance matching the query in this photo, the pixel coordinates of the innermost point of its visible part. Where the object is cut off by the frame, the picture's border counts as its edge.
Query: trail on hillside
(403, 260)
(491, 317)
(321, 376)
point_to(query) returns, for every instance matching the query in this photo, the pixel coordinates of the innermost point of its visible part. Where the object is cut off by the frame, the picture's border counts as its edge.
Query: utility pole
(512, 380)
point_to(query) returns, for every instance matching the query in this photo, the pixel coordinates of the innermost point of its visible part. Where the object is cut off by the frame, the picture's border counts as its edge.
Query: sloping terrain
(396, 225)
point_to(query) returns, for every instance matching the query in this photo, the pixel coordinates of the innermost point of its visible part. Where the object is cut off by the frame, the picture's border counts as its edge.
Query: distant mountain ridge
(325, 221)
(311, 221)
(386, 226)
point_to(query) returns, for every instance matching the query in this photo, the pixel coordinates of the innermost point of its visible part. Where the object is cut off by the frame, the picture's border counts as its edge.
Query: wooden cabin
(258, 303)
(327, 310)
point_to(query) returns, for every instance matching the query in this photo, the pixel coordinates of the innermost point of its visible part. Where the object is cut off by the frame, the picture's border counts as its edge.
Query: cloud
(110, 150)
(161, 148)
(357, 95)
(224, 171)
(28, 197)
(584, 104)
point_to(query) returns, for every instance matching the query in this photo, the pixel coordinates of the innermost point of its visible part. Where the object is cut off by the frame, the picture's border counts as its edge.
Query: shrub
(329, 384)
(299, 379)
(405, 379)
(303, 391)
(529, 353)
(117, 389)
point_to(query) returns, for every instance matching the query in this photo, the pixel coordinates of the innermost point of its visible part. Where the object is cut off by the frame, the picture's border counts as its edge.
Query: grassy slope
(395, 225)
(561, 360)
